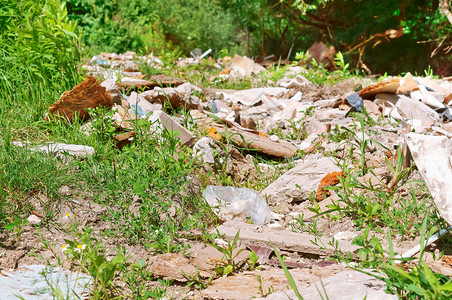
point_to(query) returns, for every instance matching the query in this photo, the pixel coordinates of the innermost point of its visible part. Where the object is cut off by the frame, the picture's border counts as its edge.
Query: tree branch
(444, 9)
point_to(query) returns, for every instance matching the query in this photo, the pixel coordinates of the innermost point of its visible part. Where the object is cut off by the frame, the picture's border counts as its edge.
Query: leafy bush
(117, 26)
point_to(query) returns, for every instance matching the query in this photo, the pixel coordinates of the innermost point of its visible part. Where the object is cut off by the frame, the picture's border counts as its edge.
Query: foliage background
(261, 27)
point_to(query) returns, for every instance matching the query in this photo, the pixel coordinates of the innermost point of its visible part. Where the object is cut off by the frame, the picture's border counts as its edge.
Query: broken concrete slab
(284, 240)
(246, 286)
(417, 113)
(59, 149)
(345, 285)
(299, 182)
(135, 100)
(433, 158)
(159, 119)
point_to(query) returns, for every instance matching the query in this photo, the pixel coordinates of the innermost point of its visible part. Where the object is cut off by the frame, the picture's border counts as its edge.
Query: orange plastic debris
(330, 179)
(212, 131)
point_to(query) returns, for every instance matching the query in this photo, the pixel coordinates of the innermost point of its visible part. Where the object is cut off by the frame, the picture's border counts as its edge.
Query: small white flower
(68, 216)
(80, 247)
(64, 248)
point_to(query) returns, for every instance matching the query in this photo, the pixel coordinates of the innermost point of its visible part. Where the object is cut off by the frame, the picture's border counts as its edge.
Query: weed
(413, 281)
(262, 292)
(17, 226)
(229, 264)
(194, 281)
(287, 273)
(252, 260)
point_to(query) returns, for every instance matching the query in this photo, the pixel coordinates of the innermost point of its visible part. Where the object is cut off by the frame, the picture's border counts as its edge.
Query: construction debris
(87, 94)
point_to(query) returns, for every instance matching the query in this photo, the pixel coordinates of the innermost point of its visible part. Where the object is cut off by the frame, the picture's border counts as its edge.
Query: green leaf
(287, 273)
(227, 270)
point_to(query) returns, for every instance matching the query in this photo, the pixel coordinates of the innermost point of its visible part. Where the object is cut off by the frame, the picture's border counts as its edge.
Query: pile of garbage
(276, 121)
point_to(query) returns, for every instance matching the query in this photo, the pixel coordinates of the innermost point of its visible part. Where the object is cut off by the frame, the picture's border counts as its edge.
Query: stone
(296, 184)
(170, 266)
(187, 88)
(298, 96)
(112, 88)
(407, 84)
(329, 114)
(121, 117)
(87, 94)
(203, 147)
(33, 220)
(242, 66)
(372, 108)
(292, 83)
(355, 101)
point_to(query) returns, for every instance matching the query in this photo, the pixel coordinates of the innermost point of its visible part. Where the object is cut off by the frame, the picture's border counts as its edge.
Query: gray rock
(292, 83)
(330, 114)
(296, 184)
(203, 147)
(111, 87)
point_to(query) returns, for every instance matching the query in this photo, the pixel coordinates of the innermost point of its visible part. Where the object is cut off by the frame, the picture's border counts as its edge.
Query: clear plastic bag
(231, 203)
